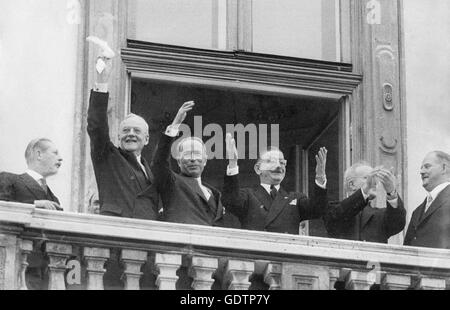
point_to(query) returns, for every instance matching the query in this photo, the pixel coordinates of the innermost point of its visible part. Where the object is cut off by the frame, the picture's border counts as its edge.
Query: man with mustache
(122, 174)
(430, 222)
(356, 217)
(268, 207)
(186, 198)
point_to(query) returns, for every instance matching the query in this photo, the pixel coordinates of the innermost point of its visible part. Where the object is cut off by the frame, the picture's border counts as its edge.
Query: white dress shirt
(36, 176)
(206, 191)
(138, 157)
(435, 192)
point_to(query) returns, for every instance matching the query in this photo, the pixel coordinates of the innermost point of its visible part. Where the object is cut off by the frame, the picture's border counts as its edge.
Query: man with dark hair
(430, 222)
(122, 174)
(356, 217)
(268, 207)
(186, 198)
(43, 161)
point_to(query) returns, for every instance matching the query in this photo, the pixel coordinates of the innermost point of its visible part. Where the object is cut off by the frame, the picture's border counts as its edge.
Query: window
(295, 28)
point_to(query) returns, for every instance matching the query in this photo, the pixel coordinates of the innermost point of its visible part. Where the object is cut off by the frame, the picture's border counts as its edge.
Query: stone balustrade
(177, 256)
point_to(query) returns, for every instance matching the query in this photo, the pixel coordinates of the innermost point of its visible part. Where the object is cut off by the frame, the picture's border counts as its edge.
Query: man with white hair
(357, 217)
(123, 175)
(186, 198)
(267, 206)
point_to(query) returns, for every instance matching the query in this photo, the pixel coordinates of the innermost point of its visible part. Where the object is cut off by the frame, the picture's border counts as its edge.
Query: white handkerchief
(100, 66)
(293, 202)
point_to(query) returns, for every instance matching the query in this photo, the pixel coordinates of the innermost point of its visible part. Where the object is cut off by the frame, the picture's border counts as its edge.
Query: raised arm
(314, 207)
(161, 161)
(234, 199)
(97, 120)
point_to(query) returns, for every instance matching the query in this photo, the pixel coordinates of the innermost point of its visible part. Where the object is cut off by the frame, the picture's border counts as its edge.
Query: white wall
(427, 56)
(37, 76)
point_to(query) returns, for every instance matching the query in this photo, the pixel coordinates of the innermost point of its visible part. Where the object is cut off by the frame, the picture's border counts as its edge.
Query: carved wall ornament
(388, 102)
(389, 145)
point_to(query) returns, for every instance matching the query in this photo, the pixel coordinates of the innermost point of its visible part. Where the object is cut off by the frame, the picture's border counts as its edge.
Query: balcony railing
(77, 248)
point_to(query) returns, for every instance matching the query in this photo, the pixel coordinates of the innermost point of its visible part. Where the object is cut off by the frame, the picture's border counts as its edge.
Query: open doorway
(305, 124)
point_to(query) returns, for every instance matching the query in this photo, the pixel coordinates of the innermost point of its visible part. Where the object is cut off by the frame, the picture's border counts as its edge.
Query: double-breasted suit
(256, 209)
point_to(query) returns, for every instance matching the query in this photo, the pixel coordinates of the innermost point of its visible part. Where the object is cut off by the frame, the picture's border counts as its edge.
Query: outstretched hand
(321, 162)
(232, 153)
(370, 186)
(182, 112)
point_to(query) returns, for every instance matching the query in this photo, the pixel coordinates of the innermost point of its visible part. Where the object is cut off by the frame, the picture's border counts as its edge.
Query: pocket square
(293, 202)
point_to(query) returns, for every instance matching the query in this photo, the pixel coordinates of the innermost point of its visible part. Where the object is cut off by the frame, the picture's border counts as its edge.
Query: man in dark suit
(122, 175)
(268, 207)
(430, 222)
(357, 217)
(186, 199)
(43, 161)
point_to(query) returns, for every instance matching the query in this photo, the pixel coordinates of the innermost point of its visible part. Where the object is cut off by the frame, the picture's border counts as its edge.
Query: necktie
(43, 184)
(429, 201)
(205, 190)
(273, 191)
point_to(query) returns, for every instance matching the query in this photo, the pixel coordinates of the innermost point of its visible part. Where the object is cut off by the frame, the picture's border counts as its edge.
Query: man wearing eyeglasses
(357, 217)
(186, 198)
(267, 206)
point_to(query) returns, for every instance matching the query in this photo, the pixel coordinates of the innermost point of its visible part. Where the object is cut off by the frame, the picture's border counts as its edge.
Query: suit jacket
(120, 179)
(431, 229)
(23, 188)
(182, 198)
(354, 219)
(256, 211)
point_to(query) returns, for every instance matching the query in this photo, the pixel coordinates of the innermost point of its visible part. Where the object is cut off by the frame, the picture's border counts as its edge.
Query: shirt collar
(438, 189)
(199, 180)
(267, 187)
(36, 176)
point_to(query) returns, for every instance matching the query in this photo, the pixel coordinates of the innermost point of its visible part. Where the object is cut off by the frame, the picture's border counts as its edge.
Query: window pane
(194, 23)
(297, 28)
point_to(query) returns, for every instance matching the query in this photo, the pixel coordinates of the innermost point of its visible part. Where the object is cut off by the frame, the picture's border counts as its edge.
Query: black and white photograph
(224, 145)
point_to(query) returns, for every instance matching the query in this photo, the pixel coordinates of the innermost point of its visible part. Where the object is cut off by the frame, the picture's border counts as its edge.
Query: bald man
(124, 178)
(267, 206)
(430, 222)
(186, 198)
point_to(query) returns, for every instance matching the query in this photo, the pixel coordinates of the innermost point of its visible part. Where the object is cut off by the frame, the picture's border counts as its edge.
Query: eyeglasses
(273, 161)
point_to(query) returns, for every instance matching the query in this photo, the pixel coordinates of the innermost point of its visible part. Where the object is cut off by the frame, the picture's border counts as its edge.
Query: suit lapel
(217, 198)
(147, 169)
(436, 204)
(193, 184)
(417, 214)
(263, 197)
(280, 202)
(33, 186)
(132, 160)
(367, 213)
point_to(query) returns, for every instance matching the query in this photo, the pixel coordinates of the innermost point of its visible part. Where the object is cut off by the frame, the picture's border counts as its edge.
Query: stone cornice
(240, 67)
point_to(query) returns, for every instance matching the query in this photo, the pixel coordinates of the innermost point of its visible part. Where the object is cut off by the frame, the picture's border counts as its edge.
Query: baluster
(167, 266)
(58, 254)
(201, 270)
(95, 259)
(358, 280)
(334, 277)
(132, 261)
(272, 276)
(26, 247)
(429, 283)
(237, 274)
(395, 282)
